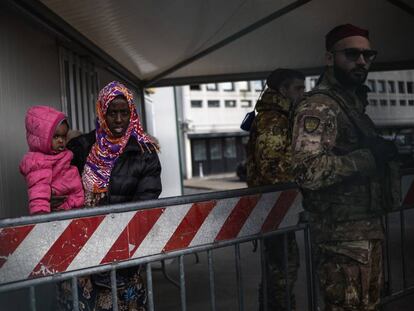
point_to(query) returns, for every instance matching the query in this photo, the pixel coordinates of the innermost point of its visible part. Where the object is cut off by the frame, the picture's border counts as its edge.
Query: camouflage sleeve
(272, 150)
(314, 135)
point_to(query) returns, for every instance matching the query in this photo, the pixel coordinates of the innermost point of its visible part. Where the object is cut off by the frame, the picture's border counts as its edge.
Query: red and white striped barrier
(407, 189)
(32, 251)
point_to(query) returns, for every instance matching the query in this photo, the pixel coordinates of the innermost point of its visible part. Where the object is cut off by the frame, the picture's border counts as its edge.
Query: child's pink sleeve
(74, 200)
(38, 178)
(39, 190)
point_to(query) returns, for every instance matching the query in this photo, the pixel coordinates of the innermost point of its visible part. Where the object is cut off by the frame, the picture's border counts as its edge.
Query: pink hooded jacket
(47, 172)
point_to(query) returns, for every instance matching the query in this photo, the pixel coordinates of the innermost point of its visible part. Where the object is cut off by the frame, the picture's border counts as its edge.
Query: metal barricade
(50, 248)
(65, 246)
(395, 269)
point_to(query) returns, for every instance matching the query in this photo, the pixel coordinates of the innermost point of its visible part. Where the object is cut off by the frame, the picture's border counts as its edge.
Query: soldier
(344, 169)
(269, 162)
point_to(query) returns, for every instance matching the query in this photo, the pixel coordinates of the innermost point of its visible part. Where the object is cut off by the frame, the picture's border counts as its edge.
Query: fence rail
(35, 250)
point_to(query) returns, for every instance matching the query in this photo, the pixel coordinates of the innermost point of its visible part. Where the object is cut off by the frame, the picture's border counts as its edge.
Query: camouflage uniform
(342, 193)
(269, 162)
(268, 149)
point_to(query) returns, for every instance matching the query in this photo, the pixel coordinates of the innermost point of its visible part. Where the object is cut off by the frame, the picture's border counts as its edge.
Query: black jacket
(135, 176)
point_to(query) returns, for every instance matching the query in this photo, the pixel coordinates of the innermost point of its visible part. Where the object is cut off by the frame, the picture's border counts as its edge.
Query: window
(411, 102)
(211, 87)
(200, 151)
(401, 87)
(227, 86)
(381, 86)
(196, 104)
(195, 87)
(213, 103)
(230, 103)
(257, 85)
(371, 85)
(79, 90)
(312, 82)
(373, 102)
(383, 102)
(403, 102)
(215, 149)
(409, 87)
(244, 86)
(393, 102)
(391, 86)
(230, 147)
(245, 103)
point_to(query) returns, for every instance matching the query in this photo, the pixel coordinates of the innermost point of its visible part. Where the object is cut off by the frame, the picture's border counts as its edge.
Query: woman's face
(117, 116)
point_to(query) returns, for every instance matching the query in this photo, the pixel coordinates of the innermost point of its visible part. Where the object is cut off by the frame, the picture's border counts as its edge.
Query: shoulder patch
(311, 124)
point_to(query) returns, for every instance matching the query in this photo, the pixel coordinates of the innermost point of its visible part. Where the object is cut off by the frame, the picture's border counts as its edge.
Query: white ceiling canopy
(212, 40)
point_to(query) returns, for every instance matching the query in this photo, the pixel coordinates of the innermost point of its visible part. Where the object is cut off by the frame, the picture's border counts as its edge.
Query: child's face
(59, 137)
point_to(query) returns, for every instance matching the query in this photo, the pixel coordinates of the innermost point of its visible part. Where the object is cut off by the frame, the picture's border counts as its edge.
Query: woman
(118, 163)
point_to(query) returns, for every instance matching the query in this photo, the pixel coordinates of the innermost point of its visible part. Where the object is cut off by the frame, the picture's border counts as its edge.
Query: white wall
(162, 123)
(221, 119)
(384, 115)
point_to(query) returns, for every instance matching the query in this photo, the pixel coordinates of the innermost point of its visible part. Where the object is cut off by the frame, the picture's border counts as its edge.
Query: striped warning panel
(32, 251)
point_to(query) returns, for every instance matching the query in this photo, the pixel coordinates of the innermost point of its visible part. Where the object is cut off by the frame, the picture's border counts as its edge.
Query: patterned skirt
(95, 294)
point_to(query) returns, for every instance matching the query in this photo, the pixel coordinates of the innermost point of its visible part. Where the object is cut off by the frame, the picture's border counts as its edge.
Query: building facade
(212, 141)
(211, 114)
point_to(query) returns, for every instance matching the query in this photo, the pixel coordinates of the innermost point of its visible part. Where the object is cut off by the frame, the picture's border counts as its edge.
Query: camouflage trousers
(350, 274)
(276, 272)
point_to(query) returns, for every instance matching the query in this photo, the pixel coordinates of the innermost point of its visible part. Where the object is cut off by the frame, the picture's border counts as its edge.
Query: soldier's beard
(353, 78)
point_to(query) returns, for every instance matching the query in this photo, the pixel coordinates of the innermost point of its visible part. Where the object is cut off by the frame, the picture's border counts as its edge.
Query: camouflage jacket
(340, 186)
(268, 149)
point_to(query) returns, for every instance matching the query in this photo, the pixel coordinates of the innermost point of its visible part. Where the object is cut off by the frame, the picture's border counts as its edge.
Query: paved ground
(213, 183)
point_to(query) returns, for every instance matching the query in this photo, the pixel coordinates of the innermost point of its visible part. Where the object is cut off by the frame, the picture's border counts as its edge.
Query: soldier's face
(294, 91)
(351, 59)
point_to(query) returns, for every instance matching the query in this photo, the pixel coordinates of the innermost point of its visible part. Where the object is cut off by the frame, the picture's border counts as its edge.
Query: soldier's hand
(383, 150)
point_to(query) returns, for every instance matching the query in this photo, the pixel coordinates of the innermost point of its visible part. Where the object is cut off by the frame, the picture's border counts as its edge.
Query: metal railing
(148, 261)
(208, 248)
(395, 224)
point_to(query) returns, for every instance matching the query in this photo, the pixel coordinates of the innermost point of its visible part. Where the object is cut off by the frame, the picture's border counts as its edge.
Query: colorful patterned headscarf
(107, 149)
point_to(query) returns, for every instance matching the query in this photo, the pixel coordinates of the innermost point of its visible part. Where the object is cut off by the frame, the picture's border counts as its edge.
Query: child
(46, 167)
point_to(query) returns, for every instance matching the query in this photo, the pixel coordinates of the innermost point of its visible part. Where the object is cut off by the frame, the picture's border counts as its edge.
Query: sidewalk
(218, 182)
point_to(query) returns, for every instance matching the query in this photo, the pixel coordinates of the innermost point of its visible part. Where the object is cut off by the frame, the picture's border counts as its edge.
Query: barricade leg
(386, 252)
(182, 284)
(75, 293)
(150, 293)
(211, 280)
(402, 236)
(239, 277)
(114, 290)
(286, 272)
(263, 262)
(32, 297)
(310, 271)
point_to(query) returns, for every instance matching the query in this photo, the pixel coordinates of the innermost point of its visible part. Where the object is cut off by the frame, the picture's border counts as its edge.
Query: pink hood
(41, 122)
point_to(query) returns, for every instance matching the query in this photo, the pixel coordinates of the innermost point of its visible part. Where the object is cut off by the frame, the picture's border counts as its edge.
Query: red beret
(343, 31)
